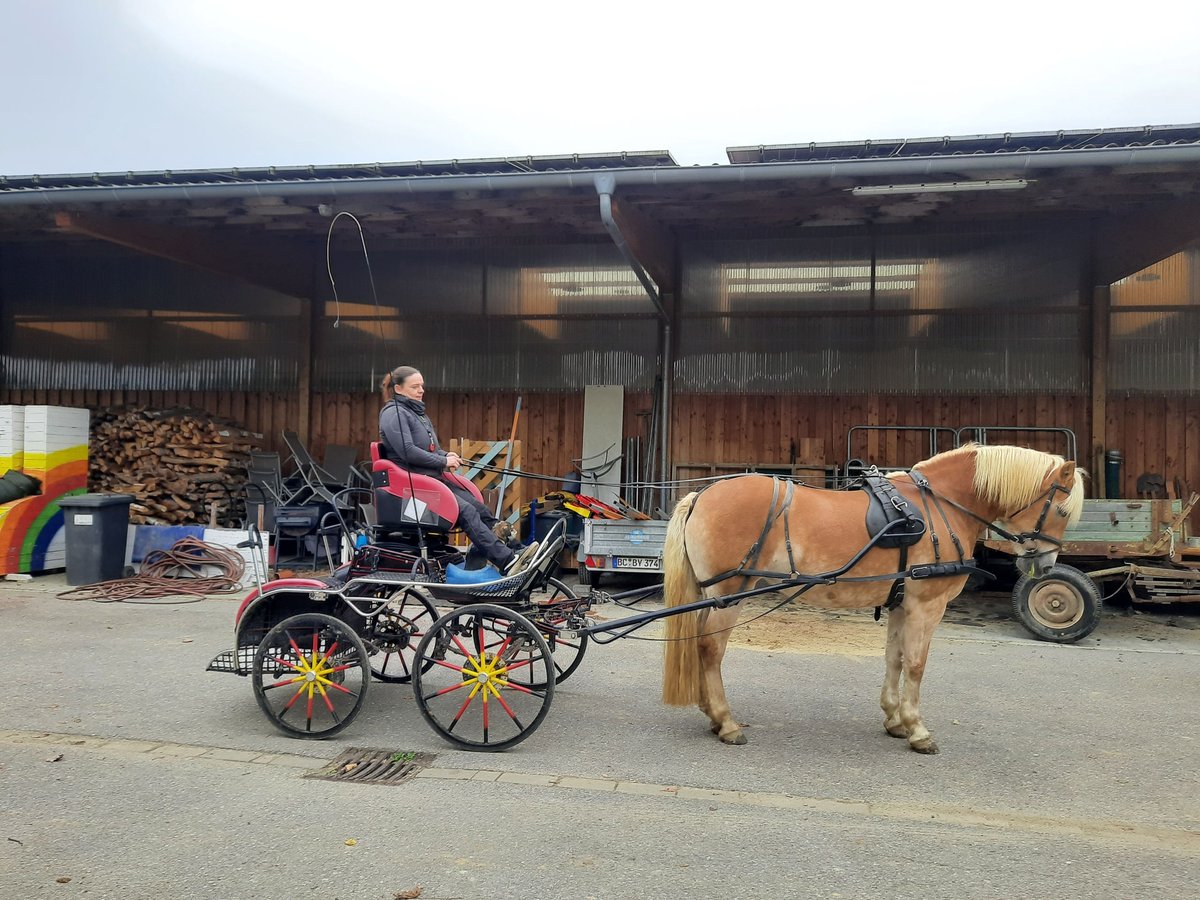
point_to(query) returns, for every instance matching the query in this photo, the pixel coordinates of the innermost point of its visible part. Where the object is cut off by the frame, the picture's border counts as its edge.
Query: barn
(792, 309)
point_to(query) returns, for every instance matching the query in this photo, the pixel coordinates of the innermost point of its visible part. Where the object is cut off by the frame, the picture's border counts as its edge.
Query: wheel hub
(1056, 605)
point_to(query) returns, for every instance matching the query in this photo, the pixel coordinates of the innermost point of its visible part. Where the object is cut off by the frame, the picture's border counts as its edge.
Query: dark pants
(477, 520)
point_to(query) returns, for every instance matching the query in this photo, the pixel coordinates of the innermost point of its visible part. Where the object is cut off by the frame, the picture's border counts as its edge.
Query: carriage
(484, 672)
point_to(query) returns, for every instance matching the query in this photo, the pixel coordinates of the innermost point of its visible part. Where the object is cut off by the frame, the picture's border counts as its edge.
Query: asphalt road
(1065, 771)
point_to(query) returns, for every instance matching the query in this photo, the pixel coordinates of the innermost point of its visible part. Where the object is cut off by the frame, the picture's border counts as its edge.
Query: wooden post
(1098, 383)
(512, 438)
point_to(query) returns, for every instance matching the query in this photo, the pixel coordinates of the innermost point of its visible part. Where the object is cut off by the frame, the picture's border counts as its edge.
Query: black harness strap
(756, 548)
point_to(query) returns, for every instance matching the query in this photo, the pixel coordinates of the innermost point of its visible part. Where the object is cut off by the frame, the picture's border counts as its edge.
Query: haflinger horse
(710, 551)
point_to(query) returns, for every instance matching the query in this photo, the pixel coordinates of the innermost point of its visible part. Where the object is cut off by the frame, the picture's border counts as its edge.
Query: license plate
(635, 562)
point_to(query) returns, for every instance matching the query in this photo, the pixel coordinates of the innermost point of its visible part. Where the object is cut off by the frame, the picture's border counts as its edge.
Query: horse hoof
(896, 731)
(928, 746)
(737, 739)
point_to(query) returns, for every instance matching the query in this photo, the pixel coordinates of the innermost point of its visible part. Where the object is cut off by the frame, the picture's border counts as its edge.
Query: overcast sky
(115, 85)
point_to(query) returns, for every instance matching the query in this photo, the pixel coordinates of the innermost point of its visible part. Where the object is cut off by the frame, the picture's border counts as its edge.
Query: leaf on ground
(65, 879)
(54, 758)
(410, 894)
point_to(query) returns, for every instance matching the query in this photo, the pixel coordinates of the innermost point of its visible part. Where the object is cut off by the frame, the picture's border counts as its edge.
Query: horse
(1027, 496)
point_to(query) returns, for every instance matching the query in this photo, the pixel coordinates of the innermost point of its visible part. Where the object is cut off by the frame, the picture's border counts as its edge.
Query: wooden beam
(1128, 244)
(652, 244)
(265, 261)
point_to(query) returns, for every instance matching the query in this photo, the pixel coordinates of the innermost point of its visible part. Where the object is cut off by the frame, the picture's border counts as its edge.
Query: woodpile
(183, 466)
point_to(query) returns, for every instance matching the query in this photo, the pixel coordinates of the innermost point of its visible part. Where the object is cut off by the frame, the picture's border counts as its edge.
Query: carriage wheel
(396, 632)
(310, 675)
(1063, 605)
(466, 677)
(567, 653)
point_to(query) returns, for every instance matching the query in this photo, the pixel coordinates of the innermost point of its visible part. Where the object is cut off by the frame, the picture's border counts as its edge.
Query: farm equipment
(1140, 545)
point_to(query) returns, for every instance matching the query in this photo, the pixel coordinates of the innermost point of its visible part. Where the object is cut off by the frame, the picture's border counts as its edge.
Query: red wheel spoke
(462, 649)
(448, 665)
(294, 698)
(282, 661)
(328, 653)
(267, 687)
(447, 690)
(462, 709)
(485, 713)
(308, 727)
(513, 686)
(338, 687)
(503, 647)
(508, 709)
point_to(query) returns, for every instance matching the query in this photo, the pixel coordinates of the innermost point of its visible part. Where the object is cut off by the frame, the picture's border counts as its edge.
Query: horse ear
(1066, 475)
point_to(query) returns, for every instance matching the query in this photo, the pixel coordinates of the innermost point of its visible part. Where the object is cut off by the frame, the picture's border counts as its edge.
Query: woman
(411, 442)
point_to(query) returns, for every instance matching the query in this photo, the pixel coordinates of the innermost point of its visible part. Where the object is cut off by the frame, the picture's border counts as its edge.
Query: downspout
(605, 185)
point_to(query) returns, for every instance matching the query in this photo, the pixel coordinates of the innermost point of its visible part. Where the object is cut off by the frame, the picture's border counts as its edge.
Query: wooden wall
(1156, 433)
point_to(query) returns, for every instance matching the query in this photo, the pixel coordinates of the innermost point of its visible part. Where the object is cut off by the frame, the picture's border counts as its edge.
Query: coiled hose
(179, 571)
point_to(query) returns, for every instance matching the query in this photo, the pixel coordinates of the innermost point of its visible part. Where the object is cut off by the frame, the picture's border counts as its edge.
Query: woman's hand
(453, 461)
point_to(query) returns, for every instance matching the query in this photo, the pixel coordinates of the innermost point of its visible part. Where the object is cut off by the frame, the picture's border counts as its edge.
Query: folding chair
(340, 464)
(316, 480)
(266, 473)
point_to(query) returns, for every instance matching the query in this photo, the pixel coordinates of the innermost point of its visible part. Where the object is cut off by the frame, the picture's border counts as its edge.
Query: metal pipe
(1011, 164)
(604, 186)
(665, 429)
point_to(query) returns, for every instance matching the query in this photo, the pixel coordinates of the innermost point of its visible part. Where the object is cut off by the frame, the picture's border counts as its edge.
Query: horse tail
(681, 663)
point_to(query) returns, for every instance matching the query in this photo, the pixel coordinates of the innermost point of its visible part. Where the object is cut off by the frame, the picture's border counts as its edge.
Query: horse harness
(892, 523)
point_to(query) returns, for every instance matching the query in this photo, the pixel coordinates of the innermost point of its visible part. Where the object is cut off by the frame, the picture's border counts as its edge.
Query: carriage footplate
(366, 766)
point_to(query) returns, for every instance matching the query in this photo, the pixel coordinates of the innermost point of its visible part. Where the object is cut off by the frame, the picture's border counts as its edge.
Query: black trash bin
(97, 533)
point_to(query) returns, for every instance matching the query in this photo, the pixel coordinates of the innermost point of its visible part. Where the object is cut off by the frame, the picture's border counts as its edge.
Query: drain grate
(366, 766)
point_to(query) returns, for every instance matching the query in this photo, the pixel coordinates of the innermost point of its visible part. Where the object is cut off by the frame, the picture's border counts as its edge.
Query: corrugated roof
(1021, 142)
(498, 165)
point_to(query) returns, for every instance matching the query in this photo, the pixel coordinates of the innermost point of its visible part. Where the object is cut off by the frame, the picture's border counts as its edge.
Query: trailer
(1139, 547)
(620, 545)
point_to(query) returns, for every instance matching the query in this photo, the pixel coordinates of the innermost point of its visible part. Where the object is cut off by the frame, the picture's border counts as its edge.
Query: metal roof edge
(654, 176)
(245, 174)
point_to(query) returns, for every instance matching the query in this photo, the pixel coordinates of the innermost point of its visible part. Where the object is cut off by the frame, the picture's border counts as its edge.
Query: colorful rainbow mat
(31, 529)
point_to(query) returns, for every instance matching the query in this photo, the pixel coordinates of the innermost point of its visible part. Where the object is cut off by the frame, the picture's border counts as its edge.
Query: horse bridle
(1026, 540)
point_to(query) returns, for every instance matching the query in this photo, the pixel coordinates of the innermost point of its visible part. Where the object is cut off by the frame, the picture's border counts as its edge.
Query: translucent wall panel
(963, 312)
(528, 318)
(497, 354)
(108, 319)
(922, 354)
(1155, 327)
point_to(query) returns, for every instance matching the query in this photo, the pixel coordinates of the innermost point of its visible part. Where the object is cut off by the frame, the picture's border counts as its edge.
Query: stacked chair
(310, 509)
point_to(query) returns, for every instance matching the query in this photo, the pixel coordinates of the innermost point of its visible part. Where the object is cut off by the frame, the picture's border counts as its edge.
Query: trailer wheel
(1063, 605)
(588, 577)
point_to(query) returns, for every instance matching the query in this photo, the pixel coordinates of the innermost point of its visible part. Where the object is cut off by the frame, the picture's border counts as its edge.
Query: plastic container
(97, 532)
(1112, 474)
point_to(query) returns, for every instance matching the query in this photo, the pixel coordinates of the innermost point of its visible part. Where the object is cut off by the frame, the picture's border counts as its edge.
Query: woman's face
(412, 387)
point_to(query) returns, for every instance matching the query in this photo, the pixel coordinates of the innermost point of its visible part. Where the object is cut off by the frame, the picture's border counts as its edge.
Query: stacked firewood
(182, 466)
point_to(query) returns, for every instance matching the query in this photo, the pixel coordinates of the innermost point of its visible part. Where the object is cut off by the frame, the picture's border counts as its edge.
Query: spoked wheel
(310, 675)
(465, 677)
(553, 605)
(397, 630)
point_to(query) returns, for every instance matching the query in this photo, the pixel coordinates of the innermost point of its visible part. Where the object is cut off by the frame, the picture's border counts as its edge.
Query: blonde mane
(1012, 478)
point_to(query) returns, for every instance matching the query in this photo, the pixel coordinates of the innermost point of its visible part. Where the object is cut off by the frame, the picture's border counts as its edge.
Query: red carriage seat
(397, 488)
